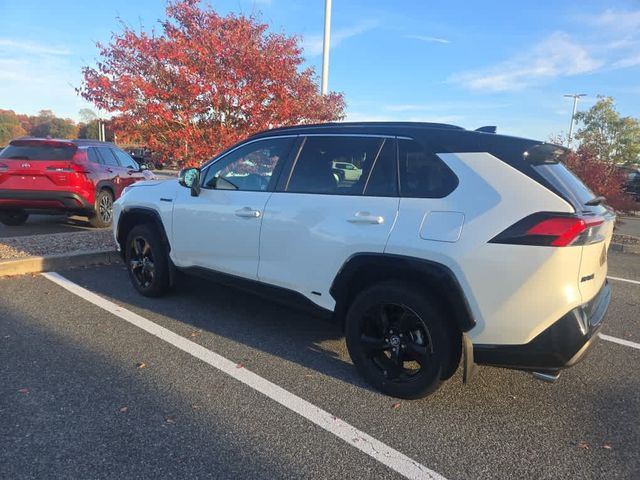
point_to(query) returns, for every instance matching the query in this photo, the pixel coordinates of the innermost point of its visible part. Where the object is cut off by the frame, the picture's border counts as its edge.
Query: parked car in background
(452, 243)
(347, 171)
(80, 177)
(146, 158)
(632, 183)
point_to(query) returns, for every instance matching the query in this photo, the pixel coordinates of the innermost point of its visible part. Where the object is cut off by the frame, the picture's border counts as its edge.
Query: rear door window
(422, 173)
(332, 164)
(93, 155)
(108, 158)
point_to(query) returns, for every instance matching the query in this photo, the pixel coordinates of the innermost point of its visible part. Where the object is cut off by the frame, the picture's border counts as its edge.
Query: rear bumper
(54, 201)
(561, 345)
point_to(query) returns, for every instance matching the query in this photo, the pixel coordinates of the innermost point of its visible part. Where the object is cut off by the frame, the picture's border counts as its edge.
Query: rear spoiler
(545, 153)
(44, 142)
(487, 129)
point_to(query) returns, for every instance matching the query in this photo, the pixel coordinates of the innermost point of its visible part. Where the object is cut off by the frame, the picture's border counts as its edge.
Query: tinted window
(423, 174)
(250, 167)
(124, 159)
(93, 156)
(336, 165)
(383, 181)
(107, 157)
(564, 180)
(37, 152)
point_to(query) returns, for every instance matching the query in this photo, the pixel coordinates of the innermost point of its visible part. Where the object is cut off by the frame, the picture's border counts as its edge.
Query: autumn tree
(46, 124)
(607, 135)
(204, 81)
(10, 127)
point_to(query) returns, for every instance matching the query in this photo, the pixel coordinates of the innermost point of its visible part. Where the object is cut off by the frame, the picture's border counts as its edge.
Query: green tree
(46, 124)
(10, 127)
(609, 136)
(87, 115)
(89, 130)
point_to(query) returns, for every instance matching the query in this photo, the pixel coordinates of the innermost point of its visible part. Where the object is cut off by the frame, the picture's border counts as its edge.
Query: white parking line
(379, 451)
(619, 341)
(624, 280)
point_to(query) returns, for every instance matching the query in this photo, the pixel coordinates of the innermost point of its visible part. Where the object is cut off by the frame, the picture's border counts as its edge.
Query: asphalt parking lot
(84, 393)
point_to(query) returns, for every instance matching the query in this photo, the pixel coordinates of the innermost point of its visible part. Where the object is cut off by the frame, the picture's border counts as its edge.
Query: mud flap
(469, 367)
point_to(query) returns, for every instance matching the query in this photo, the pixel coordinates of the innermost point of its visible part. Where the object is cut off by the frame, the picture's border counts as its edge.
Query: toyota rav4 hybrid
(451, 244)
(81, 177)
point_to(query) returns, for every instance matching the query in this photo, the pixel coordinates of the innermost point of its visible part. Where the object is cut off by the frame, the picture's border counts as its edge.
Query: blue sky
(504, 63)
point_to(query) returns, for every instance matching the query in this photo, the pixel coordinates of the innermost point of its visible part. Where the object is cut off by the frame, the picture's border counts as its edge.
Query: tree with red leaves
(204, 82)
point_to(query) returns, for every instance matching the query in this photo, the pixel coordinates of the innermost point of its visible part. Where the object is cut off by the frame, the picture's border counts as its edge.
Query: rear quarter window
(422, 173)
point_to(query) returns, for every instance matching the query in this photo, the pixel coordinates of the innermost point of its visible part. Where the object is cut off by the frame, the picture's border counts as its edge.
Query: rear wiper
(595, 201)
(18, 157)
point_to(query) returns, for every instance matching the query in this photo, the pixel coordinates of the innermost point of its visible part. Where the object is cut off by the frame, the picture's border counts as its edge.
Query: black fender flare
(364, 269)
(131, 216)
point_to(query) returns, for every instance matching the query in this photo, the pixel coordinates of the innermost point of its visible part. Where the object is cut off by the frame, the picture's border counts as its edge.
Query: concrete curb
(21, 266)
(621, 248)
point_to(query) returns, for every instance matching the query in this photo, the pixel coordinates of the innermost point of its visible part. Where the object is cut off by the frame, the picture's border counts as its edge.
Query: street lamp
(575, 97)
(325, 47)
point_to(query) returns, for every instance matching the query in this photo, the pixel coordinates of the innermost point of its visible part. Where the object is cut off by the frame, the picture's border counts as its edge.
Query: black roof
(76, 141)
(359, 127)
(87, 142)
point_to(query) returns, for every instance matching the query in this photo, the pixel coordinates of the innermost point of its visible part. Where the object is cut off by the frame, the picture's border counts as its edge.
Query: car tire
(397, 340)
(13, 218)
(103, 214)
(147, 261)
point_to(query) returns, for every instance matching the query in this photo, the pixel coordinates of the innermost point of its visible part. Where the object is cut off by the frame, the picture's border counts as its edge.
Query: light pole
(575, 97)
(325, 47)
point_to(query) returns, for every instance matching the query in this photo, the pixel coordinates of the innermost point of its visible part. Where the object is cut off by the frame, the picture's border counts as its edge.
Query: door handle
(366, 217)
(247, 212)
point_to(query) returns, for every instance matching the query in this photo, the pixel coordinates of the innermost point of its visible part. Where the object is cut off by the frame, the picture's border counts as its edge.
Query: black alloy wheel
(398, 340)
(141, 263)
(147, 261)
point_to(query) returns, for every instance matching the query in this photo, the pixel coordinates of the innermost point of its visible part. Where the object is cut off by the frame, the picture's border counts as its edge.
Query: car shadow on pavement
(241, 317)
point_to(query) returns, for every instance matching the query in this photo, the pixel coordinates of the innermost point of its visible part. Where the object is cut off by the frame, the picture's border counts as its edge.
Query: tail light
(79, 164)
(553, 230)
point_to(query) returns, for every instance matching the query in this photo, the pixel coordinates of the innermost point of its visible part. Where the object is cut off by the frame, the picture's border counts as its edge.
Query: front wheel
(397, 340)
(13, 218)
(147, 261)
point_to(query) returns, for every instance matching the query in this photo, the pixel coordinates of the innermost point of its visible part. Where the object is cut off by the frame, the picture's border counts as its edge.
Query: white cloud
(456, 106)
(34, 77)
(558, 55)
(620, 36)
(618, 19)
(424, 38)
(7, 44)
(312, 44)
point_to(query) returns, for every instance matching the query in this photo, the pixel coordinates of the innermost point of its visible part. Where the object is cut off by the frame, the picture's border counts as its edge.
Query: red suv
(81, 177)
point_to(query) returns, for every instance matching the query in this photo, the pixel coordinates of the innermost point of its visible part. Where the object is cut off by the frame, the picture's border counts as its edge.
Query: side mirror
(190, 178)
(144, 166)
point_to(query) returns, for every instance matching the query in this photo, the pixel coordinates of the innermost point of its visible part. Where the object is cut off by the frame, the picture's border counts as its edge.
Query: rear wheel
(13, 218)
(147, 261)
(104, 210)
(397, 340)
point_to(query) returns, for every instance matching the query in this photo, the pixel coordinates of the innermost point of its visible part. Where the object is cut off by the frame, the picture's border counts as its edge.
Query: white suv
(450, 243)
